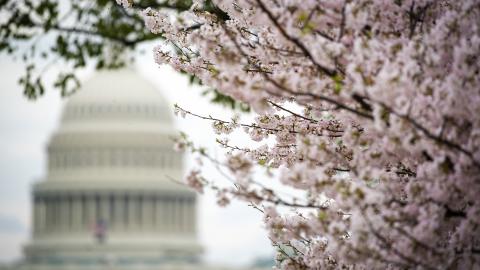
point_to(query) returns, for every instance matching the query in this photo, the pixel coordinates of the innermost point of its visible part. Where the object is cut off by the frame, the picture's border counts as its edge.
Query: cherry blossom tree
(367, 112)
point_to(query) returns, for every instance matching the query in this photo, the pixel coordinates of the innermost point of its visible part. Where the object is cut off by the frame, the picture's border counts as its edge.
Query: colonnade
(121, 212)
(113, 157)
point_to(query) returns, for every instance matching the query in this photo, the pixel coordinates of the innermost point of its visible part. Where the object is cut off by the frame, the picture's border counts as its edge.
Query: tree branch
(296, 41)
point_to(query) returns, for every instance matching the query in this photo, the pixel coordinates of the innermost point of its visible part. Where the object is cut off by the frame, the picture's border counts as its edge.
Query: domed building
(108, 201)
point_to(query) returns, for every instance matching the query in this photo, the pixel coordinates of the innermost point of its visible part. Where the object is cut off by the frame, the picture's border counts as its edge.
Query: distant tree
(367, 124)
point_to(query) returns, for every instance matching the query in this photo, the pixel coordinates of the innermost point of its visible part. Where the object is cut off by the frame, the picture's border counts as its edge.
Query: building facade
(108, 200)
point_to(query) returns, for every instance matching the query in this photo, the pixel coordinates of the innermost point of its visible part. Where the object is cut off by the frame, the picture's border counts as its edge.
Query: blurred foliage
(80, 31)
(229, 102)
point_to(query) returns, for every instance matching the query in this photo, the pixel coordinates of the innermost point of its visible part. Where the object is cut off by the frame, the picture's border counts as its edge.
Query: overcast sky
(231, 236)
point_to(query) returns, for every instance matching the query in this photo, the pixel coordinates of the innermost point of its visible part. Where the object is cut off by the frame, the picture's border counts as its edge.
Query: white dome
(117, 96)
(117, 86)
(116, 128)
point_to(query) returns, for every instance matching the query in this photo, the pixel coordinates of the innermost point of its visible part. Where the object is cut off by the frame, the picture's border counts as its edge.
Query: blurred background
(231, 236)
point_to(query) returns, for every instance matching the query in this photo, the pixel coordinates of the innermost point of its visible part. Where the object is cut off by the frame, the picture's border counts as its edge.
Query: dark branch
(296, 41)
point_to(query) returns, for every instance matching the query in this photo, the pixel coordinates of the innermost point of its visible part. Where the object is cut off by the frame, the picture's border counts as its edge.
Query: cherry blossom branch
(274, 198)
(293, 260)
(385, 114)
(332, 101)
(254, 126)
(292, 113)
(389, 245)
(297, 42)
(342, 106)
(298, 93)
(308, 118)
(342, 23)
(427, 133)
(414, 123)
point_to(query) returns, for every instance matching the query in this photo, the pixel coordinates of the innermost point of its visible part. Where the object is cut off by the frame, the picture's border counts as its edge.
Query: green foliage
(89, 29)
(219, 98)
(338, 80)
(77, 31)
(68, 83)
(82, 31)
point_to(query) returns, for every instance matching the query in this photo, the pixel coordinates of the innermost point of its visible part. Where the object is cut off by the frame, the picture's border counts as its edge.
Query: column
(77, 213)
(91, 211)
(111, 210)
(118, 222)
(40, 215)
(69, 201)
(151, 213)
(153, 200)
(175, 214)
(180, 215)
(168, 214)
(147, 213)
(192, 215)
(85, 212)
(61, 213)
(138, 211)
(105, 210)
(104, 201)
(70, 214)
(48, 214)
(36, 215)
(186, 214)
(57, 214)
(132, 209)
(160, 214)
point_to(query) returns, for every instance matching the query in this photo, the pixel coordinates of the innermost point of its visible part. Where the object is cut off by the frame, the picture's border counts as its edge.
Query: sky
(231, 236)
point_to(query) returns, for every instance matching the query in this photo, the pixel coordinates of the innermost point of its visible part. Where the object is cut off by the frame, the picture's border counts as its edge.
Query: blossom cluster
(373, 108)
